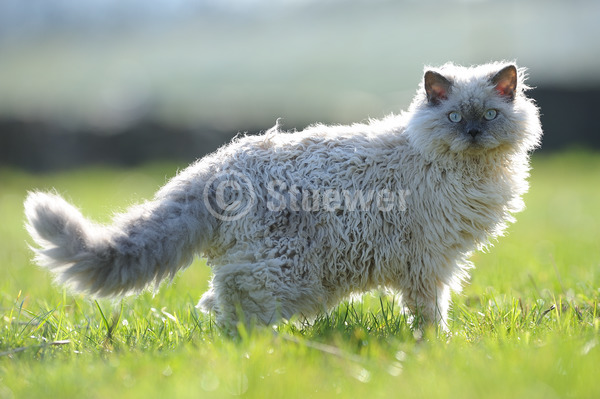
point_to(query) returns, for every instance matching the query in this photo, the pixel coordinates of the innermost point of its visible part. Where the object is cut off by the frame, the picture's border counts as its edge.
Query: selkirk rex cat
(294, 222)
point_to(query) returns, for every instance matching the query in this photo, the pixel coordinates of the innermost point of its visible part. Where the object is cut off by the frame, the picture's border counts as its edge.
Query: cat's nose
(473, 132)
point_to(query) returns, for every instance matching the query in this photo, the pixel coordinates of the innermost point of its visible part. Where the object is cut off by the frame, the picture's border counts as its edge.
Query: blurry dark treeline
(569, 119)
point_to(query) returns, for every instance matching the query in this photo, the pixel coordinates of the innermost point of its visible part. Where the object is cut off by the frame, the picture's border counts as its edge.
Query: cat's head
(474, 111)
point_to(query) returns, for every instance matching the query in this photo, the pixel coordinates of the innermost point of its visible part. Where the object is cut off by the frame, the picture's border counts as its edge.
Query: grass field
(527, 325)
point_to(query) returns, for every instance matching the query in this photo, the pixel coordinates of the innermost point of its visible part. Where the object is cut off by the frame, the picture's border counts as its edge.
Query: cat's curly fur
(462, 182)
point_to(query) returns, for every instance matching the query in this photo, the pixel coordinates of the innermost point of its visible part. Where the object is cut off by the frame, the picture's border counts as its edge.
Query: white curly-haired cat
(293, 222)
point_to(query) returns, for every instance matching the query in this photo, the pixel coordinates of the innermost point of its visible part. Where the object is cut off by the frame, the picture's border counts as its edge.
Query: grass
(527, 325)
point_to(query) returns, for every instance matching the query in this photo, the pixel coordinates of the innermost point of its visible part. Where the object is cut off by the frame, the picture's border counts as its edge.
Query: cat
(294, 222)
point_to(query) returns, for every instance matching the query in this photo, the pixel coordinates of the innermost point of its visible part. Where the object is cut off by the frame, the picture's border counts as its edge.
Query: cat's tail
(145, 245)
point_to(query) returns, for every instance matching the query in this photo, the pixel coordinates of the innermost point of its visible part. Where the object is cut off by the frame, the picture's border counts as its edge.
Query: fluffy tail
(148, 243)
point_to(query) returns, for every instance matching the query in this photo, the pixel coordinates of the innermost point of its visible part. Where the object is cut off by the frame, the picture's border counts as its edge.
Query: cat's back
(336, 143)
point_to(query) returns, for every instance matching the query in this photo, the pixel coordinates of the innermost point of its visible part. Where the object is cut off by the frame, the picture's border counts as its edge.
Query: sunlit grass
(527, 325)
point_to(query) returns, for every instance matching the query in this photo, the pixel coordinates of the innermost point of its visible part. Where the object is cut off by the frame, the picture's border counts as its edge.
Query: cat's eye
(455, 117)
(490, 114)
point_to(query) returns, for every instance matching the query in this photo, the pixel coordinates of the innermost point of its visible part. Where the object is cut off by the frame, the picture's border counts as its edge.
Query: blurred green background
(127, 82)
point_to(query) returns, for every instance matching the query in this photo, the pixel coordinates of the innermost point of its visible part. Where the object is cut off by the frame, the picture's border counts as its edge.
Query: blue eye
(490, 114)
(455, 117)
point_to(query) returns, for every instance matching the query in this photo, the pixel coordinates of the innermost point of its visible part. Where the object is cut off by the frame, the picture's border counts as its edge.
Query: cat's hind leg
(262, 293)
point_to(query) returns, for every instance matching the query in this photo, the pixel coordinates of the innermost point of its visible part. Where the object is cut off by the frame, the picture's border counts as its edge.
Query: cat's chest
(455, 206)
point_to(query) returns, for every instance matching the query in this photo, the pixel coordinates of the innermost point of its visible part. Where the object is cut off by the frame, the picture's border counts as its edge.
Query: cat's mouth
(476, 141)
(474, 144)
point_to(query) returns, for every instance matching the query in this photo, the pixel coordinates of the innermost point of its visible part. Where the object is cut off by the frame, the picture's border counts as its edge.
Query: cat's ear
(505, 82)
(437, 87)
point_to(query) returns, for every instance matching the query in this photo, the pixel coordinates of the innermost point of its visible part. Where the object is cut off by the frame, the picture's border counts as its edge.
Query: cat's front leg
(429, 302)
